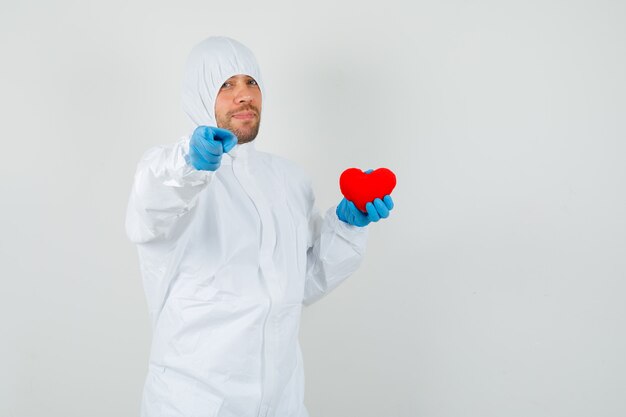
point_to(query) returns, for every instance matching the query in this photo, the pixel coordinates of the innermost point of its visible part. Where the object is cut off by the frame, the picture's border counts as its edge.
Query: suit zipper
(263, 407)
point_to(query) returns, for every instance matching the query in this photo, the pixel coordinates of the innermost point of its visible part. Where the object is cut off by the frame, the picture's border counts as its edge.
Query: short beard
(243, 136)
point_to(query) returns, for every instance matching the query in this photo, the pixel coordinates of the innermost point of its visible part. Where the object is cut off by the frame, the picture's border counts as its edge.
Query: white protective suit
(228, 259)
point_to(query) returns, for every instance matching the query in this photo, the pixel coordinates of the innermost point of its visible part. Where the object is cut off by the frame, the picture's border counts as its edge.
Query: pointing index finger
(228, 138)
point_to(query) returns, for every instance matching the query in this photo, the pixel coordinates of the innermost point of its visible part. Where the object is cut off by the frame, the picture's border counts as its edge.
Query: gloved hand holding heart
(362, 188)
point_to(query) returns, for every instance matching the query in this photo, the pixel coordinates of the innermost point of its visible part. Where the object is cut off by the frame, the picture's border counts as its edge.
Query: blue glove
(206, 146)
(376, 210)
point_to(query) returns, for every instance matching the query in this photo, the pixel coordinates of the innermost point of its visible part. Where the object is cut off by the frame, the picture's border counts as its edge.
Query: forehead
(240, 77)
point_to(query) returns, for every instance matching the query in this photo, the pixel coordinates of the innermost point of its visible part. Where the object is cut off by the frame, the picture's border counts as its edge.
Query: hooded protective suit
(228, 259)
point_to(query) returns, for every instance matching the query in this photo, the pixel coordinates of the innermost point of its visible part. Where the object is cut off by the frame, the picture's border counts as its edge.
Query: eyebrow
(245, 78)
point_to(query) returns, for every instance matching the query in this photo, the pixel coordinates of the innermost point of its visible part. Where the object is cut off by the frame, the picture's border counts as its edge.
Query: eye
(253, 82)
(226, 84)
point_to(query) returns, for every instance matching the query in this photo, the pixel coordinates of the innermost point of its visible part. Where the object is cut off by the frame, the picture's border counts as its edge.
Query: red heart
(361, 188)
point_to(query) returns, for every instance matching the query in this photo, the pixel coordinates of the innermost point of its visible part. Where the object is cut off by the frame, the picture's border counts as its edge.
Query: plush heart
(361, 188)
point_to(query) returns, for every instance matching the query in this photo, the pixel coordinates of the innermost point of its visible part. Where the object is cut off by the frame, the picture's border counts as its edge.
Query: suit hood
(209, 65)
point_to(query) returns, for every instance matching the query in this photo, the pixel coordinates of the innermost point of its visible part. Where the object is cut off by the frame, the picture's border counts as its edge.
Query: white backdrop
(497, 286)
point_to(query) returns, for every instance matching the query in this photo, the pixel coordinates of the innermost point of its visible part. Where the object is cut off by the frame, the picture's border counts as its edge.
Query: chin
(245, 131)
(245, 138)
(246, 135)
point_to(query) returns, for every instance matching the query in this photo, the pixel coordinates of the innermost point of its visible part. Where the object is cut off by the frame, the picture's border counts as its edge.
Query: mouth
(244, 115)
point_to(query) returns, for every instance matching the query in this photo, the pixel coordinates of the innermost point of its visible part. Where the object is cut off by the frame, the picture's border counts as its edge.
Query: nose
(243, 96)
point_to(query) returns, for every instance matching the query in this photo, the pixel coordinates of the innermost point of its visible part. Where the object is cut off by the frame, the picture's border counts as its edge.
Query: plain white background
(497, 286)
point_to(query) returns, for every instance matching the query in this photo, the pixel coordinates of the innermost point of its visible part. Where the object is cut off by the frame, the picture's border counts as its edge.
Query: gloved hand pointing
(206, 146)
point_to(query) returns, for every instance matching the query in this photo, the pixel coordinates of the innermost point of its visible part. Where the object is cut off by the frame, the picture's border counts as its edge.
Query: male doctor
(231, 247)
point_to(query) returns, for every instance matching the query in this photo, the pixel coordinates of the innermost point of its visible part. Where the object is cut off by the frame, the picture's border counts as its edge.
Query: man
(231, 246)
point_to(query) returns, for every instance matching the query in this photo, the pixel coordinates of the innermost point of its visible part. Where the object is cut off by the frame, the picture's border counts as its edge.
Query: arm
(165, 188)
(169, 180)
(338, 243)
(336, 253)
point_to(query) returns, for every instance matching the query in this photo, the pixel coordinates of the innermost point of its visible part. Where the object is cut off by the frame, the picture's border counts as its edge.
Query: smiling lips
(244, 115)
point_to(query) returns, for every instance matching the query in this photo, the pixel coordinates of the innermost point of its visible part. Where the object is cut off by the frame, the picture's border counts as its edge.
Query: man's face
(238, 107)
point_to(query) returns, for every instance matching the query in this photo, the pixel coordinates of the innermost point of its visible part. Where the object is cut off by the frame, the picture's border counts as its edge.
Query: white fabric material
(228, 259)
(210, 63)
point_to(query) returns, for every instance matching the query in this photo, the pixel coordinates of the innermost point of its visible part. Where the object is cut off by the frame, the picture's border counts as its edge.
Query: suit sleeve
(335, 252)
(165, 188)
